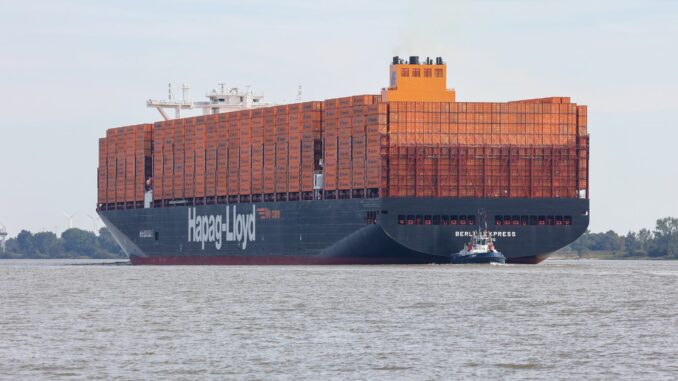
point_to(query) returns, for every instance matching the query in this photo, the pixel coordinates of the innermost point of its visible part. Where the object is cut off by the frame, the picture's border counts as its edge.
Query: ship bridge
(223, 99)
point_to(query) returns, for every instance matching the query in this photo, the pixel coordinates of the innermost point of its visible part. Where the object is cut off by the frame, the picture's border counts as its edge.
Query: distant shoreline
(603, 255)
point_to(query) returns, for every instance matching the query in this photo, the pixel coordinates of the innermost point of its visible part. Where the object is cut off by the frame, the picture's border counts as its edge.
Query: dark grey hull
(351, 231)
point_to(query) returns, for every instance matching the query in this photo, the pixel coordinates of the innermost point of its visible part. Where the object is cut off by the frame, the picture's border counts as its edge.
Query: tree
(24, 241)
(609, 241)
(581, 245)
(645, 239)
(662, 242)
(665, 238)
(72, 243)
(632, 245)
(47, 245)
(11, 248)
(80, 243)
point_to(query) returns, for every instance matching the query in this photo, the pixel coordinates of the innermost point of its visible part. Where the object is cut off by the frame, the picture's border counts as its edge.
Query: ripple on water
(561, 319)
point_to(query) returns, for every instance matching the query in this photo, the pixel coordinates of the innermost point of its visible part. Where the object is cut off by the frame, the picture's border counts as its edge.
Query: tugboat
(480, 249)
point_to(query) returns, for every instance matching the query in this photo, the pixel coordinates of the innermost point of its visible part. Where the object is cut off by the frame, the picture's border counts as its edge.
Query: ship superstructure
(218, 101)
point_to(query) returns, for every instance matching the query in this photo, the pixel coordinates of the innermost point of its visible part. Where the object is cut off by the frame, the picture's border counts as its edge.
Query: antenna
(169, 91)
(298, 99)
(483, 215)
(222, 88)
(184, 92)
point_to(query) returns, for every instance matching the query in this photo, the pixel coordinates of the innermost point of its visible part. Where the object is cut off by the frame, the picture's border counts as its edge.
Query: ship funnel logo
(233, 227)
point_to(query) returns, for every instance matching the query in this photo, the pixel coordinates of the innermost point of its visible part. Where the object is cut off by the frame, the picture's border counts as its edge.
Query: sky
(69, 70)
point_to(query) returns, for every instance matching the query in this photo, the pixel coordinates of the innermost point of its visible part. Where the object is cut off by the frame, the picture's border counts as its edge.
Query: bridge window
(445, 220)
(559, 220)
(416, 73)
(567, 220)
(419, 220)
(410, 220)
(402, 220)
(439, 73)
(498, 220)
(549, 220)
(404, 72)
(541, 220)
(524, 220)
(427, 220)
(453, 220)
(427, 73)
(436, 220)
(533, 220)
(471, 220)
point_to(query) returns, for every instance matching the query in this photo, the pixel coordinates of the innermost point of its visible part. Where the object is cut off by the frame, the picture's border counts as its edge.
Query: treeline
(73, 243)
(660, 243)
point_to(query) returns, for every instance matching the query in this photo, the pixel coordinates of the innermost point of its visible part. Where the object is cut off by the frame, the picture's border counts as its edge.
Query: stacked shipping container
(364, 148)
(239, 156)
(125, 165)
(353, 129)
(533, 148)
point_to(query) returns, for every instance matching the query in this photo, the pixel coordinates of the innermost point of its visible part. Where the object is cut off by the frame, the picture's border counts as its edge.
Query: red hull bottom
(289, 260)
(533, 260)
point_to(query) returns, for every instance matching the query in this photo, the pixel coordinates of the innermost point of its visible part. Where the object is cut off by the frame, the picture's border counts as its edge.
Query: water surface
(559, 320)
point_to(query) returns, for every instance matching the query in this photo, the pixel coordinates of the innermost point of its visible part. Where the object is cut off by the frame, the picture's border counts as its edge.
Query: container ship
(399, 177)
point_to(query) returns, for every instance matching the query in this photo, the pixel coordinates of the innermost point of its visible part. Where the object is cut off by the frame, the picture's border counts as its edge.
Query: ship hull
(332, 232)
(479, 258)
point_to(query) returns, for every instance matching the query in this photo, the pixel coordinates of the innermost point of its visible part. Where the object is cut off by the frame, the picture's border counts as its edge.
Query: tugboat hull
(479, 258)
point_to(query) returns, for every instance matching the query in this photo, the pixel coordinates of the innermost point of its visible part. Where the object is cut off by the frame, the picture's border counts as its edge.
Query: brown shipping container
(234, 153)
(120, 177)
(211, 143)
(221, 186)
(157, 155)
(189, 173)
(245, 187)
(525, 148)
(199, 157)
(189, 158)
(102, 172)
(257, 169)
(199, 175)
(178, 154)
(167, 142)
(330, 163)
(358, 162)
(269, 168)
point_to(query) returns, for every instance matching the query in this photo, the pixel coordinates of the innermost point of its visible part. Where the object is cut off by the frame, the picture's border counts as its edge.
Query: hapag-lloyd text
(238, 227)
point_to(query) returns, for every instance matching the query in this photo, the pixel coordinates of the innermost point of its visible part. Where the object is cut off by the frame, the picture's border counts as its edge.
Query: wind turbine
(70, 219)
(94, 223)
(3, 235)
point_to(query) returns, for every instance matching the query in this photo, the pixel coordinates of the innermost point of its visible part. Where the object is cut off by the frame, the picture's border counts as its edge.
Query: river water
(559, 320)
